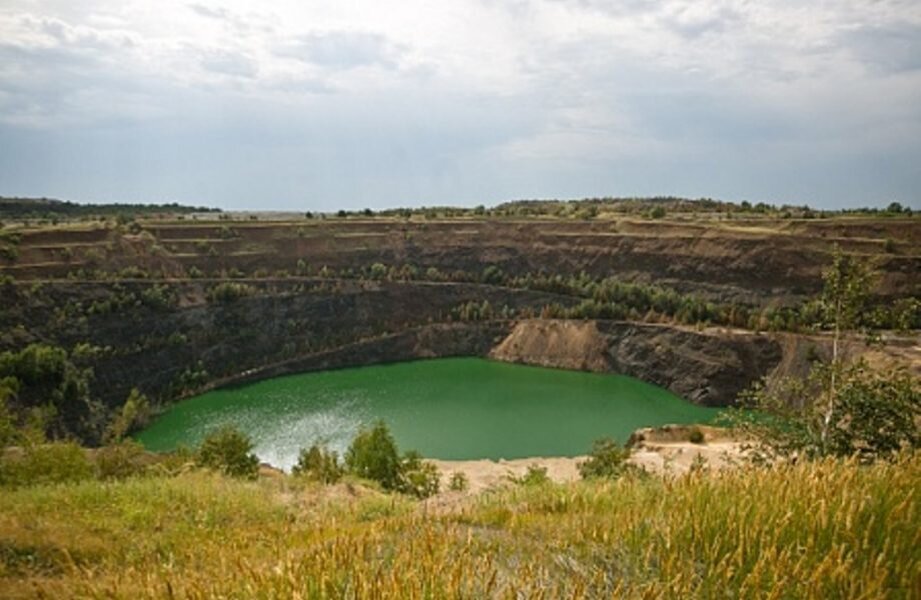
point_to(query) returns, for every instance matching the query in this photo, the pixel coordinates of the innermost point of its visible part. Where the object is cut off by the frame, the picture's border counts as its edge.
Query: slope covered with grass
(822, 530)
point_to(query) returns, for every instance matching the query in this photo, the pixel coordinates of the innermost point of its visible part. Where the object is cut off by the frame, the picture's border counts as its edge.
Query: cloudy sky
(372, 103)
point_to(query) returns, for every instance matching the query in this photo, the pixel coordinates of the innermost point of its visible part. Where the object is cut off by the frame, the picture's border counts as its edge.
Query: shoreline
(659, 457)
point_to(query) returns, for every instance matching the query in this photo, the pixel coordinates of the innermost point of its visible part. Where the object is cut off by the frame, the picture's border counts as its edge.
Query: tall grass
(819, 530)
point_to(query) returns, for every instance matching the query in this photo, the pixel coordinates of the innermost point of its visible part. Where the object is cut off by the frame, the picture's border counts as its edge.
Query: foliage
(373, 455)
(876, 413)
(607, 460)
(840, 408)
(534, 476)
(459, 482)
(229, 291)
(319, 464)
(134, 414)
(229, 451)
(39, 464)
(9, 430)
(696, 436)
(120, 460)
(46, 377)
(418, 478)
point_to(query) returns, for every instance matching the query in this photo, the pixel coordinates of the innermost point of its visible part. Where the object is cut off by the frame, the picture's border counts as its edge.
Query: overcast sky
(311, 105)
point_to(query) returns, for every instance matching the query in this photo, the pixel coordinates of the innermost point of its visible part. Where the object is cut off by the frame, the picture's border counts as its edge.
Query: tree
(844, 296)
(318, 463)
(841, 407)
(417, 477)
(229, 451)
(608, 460)
(373, 455)
(134, 414)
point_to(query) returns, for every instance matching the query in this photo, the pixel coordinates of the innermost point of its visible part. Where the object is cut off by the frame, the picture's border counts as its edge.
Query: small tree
(607, 460)
(120, 460)
(319, 464)
(535, 475)
(229, 451)
(459, 482)
(417, 477)
(134, 414)
(373, 455)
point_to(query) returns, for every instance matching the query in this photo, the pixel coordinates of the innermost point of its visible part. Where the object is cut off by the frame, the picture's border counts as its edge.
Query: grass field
(818, 530)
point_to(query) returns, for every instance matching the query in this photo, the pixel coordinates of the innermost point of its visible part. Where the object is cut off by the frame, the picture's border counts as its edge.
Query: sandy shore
(666, 457)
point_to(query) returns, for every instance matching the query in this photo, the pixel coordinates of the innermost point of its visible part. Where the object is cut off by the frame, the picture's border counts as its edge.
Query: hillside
(814, 530)
(698, 303)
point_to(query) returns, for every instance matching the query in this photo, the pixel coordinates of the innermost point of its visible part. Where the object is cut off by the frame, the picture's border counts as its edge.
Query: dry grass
(822, 530)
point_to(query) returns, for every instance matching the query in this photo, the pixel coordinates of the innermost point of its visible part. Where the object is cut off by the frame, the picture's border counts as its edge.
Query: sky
(306, 105)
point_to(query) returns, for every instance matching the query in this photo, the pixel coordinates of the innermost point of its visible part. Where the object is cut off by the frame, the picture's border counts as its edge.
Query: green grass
(820, 530)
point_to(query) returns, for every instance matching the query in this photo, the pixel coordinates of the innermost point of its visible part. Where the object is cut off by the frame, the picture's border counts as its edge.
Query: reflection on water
(457, 408)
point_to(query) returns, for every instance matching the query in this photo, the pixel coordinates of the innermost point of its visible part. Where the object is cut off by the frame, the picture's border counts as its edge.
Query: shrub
(373, 455)
(417, 477)
(696, 436)
(319, 464)
(535, 475)
(607, 460)
(58, 462)
(459, 482)
(229, 451)
(120, 460)
(135, 413)
(229, 291)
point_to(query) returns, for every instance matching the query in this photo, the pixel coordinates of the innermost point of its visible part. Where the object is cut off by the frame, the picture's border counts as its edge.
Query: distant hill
(46, 208)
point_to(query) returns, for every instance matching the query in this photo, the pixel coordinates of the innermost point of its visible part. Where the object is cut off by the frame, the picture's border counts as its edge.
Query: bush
(417, 477)
(535, 475)
(607, 460)
(459, 482)
(134, 414)
(59, 462)
(696, 436)
(319, 464)
(373, 455)
(229, 451)
(229, 291)
(121, 460)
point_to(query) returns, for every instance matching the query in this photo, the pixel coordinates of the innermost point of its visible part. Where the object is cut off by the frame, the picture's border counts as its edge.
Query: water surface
(451, 408)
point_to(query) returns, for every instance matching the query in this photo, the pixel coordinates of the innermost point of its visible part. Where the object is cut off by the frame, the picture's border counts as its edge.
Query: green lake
(451, 408)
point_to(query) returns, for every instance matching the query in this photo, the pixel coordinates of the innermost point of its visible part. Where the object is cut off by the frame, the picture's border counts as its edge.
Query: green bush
(607, 460)
(373, 455)
(58, 462)
(134, 414)
(120, 460)
(229, 451)
(319, 464)
(696, 436)
(535, 475)
(229, 291)
(417, 477)
(459, 482)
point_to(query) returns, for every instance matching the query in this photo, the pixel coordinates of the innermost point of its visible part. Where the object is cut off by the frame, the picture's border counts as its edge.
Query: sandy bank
(658, 455)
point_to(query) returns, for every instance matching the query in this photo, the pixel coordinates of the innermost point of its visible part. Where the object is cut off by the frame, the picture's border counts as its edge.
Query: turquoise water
(451, 408)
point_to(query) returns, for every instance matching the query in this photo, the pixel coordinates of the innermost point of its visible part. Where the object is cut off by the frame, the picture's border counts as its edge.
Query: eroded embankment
(706, 367)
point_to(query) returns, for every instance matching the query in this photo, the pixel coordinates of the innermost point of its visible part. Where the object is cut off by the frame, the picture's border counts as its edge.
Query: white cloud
(509, 86)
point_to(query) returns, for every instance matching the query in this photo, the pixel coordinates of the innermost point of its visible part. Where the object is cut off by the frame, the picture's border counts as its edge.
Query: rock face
(555, 343)
(709, 367)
